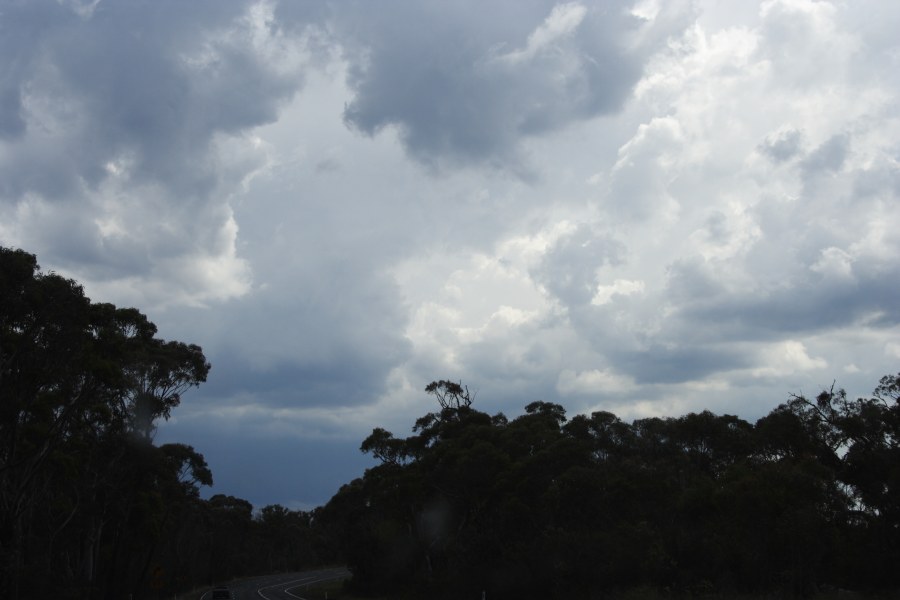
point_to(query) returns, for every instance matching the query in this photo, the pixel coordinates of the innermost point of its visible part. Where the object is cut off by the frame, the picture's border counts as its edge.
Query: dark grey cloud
(808, 305)
(783, 145)
(882, 179)
(689, 281)
(466, 82)
(829, 156)
(317, 330)
(128, 81)
(796, 282)
(678, 362)
(20, 25)
(287, 469)
(712, 326)
(355, 380)
(569, 268)
(307, 356)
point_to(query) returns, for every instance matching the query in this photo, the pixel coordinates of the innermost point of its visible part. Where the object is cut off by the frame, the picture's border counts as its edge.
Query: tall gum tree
(81, 386)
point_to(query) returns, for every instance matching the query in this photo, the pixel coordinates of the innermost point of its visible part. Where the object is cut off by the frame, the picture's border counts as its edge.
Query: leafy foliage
(89, 506)
(541, 506)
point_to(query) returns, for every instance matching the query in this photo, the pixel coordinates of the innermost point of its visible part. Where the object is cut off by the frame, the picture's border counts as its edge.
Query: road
(289, 586)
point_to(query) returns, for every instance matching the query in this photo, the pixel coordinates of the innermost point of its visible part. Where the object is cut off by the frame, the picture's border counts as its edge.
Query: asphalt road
(288, 586)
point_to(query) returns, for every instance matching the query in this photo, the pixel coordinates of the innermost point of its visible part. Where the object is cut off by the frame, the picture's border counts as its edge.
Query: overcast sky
(649, 207)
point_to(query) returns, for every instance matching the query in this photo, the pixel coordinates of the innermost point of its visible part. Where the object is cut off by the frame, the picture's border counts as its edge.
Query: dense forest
(540, 506)
(89, 506)
(805, 499)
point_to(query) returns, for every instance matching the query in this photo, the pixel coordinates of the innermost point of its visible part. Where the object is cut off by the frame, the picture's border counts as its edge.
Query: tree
(81, 386)
(385, 447)
(453, 396)
(864, 437)
(46, 382)
(541, 506)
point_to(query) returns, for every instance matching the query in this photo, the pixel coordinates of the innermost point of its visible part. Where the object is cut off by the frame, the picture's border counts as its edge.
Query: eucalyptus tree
(81, 387)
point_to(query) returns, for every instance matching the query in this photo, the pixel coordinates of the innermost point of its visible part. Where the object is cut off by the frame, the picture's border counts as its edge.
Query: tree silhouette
(545, 506)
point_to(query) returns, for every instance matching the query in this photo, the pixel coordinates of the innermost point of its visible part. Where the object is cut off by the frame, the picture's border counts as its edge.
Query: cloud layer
(648, 208)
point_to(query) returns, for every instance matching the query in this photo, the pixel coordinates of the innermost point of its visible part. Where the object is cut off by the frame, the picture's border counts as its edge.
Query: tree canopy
(89, 506)
(542, 506)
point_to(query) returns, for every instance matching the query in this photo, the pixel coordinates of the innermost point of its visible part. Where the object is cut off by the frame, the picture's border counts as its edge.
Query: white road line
(323, 580)
(287, 589)
(288, 592)
(269, 587)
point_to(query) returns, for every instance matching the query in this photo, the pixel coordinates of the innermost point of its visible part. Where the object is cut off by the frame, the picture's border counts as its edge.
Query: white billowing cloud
(593, 382)
(620, 287)
(834, 263)
(803, 43)
(562, 22)
(640, 178)
(482, 301)
(731, 217)
(125, 127)
(790, 356)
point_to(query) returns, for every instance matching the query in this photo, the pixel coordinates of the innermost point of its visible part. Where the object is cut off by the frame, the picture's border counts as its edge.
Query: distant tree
(229, 531)
(284, 539)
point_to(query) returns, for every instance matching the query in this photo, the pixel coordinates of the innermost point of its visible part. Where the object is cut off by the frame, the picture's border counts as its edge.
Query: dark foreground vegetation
(89, 506)
(806, 499)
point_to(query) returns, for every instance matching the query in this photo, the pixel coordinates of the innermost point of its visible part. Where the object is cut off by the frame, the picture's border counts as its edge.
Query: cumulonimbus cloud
(466, 83)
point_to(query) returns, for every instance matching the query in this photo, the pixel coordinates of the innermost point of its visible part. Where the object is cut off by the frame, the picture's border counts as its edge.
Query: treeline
(806, 498)
(539, 506)
(89, 506)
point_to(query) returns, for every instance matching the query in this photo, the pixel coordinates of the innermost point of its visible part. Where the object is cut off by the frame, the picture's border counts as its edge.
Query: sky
(649, 208)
